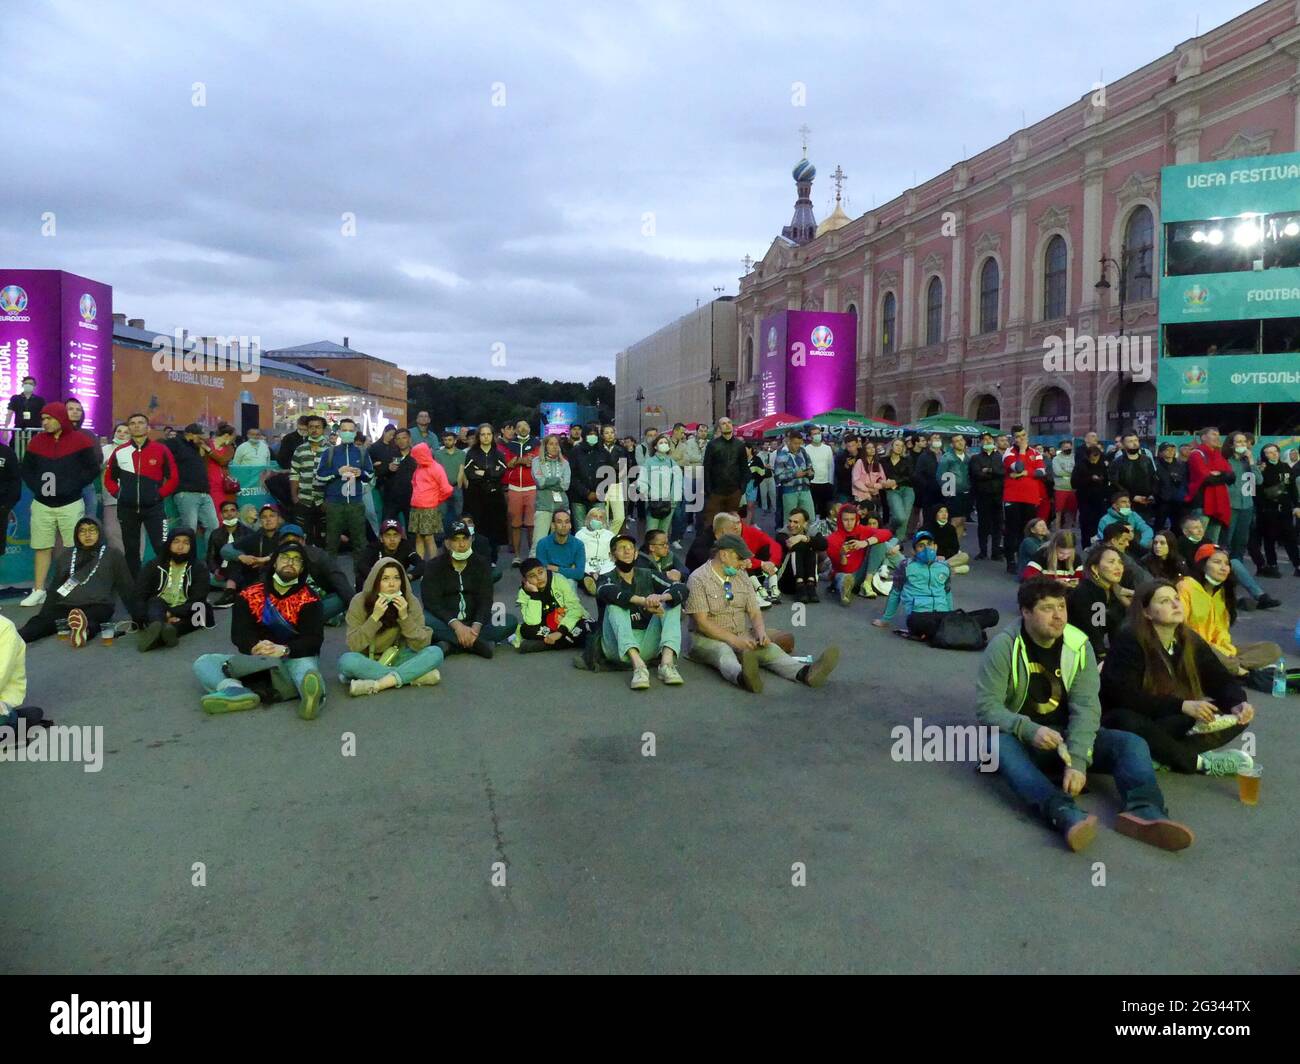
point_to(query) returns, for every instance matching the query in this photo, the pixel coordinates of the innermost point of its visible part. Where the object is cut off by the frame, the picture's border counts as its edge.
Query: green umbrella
(839, 421)
(950, 424)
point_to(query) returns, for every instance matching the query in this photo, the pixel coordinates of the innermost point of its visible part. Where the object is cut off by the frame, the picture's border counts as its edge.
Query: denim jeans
(1120, 754)
(210, 671)
(800, 498)
(368, 494)
(194, 507)
(409, 665)
(679, 522)
(618, 636)
(1238, 537)
(1248, 583)
(900, 501)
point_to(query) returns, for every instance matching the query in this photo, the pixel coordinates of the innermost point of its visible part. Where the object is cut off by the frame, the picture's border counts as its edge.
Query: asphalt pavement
(510, 820)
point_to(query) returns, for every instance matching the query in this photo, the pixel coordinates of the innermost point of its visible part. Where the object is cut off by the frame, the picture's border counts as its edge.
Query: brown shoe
(819, 671)
(1166, 834)
(1080, 836)
(751, 676)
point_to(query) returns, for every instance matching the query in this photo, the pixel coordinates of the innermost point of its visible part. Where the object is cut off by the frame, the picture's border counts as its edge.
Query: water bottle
(1279, 678)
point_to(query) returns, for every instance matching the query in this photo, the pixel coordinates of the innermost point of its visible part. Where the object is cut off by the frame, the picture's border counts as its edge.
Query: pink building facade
(959, 283)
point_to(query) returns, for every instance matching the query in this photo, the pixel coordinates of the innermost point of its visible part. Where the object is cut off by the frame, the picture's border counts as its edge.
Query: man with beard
(172, 590)
(277, 628)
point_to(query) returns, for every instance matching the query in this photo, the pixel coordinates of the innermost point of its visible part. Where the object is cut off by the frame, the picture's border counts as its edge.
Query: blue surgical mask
(927, 555)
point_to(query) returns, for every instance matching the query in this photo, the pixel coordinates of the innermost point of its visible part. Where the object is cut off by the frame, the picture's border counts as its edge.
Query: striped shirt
(302, 470)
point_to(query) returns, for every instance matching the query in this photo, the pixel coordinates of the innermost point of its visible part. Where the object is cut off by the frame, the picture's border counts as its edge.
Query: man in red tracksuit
(1208, 477)
(1024, 489)
(519, 451)
(140, 474)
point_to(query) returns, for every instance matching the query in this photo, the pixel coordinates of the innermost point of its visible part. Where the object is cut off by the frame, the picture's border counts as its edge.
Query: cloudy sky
(500, 159)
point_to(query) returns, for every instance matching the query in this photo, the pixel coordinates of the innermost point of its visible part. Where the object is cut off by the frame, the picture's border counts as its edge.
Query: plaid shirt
(708, 595)
(306, 460)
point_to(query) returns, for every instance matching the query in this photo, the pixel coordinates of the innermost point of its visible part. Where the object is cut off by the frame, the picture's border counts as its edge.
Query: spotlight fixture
(1215, 237)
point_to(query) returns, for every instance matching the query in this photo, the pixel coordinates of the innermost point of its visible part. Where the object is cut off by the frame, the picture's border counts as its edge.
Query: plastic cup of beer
(106, 634)
(65, 633)
(1248, 784)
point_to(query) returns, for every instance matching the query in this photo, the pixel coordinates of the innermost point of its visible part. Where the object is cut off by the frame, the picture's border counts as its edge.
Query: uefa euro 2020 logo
(88, 308)
(13, 300)
(1196, 377)
(771, 339)
(822, 337)
(1196, 296)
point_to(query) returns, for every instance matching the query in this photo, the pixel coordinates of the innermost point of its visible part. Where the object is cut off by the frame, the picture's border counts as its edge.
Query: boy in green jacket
(551, 615)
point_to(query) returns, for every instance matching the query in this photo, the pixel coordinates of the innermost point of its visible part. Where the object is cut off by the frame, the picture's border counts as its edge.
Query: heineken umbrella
(839, 423)
(950, 424)
(755, 429)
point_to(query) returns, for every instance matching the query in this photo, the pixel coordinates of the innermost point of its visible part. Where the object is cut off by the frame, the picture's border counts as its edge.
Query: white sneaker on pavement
(36, 598)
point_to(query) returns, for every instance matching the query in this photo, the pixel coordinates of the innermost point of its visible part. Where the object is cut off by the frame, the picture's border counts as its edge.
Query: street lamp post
(715, 375)
(640, 400)
(1121, 268)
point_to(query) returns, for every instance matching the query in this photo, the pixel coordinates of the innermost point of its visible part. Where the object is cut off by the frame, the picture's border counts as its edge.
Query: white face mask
(1241, 448)
(817, 437)
(662, 448)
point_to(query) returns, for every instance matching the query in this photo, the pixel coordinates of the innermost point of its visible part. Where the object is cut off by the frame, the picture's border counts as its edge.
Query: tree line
(470, 400)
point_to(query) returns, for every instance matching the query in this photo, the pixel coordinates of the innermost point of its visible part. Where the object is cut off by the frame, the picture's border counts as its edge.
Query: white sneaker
(363, 687)
(36, 598)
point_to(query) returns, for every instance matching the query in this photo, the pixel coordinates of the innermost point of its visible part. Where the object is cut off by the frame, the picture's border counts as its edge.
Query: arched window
(1138, 241)
(1054, 278)
(932, 408)
(851, 309)
(888, 312)
(887, 413)
(934, 311)
(749, 358)
(1053, 413)
(988, 411)
(989, 290)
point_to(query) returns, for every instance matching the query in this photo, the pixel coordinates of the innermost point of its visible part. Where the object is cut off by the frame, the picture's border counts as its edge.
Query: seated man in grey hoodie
(1039, 687)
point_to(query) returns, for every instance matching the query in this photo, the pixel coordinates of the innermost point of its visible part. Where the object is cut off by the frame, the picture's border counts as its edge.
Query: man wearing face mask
(726, 470)
(221, 572)
(583, 462)
(822, 484)
(1133, 471)
(1121, 509)
(25, 407)
(925, 473)
(1208, 477)
(1067, 503)
(344, 471)
(922, 589)
(1024, 490)
(172, 591)
(730, 634)
(457, 595)
(986, 475)
(596, 539)
(306, 490)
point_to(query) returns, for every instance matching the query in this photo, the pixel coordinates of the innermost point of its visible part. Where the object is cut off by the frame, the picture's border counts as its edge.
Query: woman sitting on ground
(596, 539)
(1163, 682)
(551, 616)
(1096, 607)
(1209, 598)
(946, 540)
(1058, 559)
(1035, 536)
(1164, 561)
(388, 641)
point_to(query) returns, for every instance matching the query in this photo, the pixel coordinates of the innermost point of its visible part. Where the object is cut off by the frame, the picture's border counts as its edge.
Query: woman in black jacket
(1164, 561)
(1277, 504)
(1163, 682)
(481, 477)
(1171, 486)
(1091, 483)
(899, 491)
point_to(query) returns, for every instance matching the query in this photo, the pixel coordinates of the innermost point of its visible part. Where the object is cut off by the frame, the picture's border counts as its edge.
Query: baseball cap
(921, 534)
(292, 530)
(459, 528)
(390, 523)
(732, 543)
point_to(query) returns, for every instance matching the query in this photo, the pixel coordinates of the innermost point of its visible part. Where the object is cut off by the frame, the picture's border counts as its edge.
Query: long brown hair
(389, 619)
(1164, 675)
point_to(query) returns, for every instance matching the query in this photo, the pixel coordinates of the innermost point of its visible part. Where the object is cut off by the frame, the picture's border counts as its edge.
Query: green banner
(1263, 184)
(1230, 296)
(252, 493)
(1229, 379)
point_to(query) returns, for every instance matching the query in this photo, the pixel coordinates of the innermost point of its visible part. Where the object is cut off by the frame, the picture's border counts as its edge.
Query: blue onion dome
(804, 170)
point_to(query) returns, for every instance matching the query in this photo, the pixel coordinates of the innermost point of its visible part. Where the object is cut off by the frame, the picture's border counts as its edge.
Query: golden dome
(837, 219)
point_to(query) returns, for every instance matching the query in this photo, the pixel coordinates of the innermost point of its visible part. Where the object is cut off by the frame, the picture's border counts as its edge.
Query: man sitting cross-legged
(643, 617)
(173, 591)
(729, 632)
(277, 626)
(457, 594)
(1038, 685)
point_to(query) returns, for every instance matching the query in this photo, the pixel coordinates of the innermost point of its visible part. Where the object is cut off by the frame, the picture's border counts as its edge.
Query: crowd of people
(1132, 567)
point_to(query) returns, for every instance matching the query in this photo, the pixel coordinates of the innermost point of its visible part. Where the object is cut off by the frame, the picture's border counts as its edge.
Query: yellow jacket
(1207, 614)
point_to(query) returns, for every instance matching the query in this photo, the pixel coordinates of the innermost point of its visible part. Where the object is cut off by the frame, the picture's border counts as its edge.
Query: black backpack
(958, 631)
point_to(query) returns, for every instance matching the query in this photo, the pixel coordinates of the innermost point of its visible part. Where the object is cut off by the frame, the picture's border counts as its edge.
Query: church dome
(837, 219)
(804, 170)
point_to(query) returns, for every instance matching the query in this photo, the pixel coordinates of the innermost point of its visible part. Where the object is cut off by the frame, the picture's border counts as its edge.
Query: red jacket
(853, 560)
(521, 476)
(755, 539)
(1201, 463)
(141, 477)
(1030, 488)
